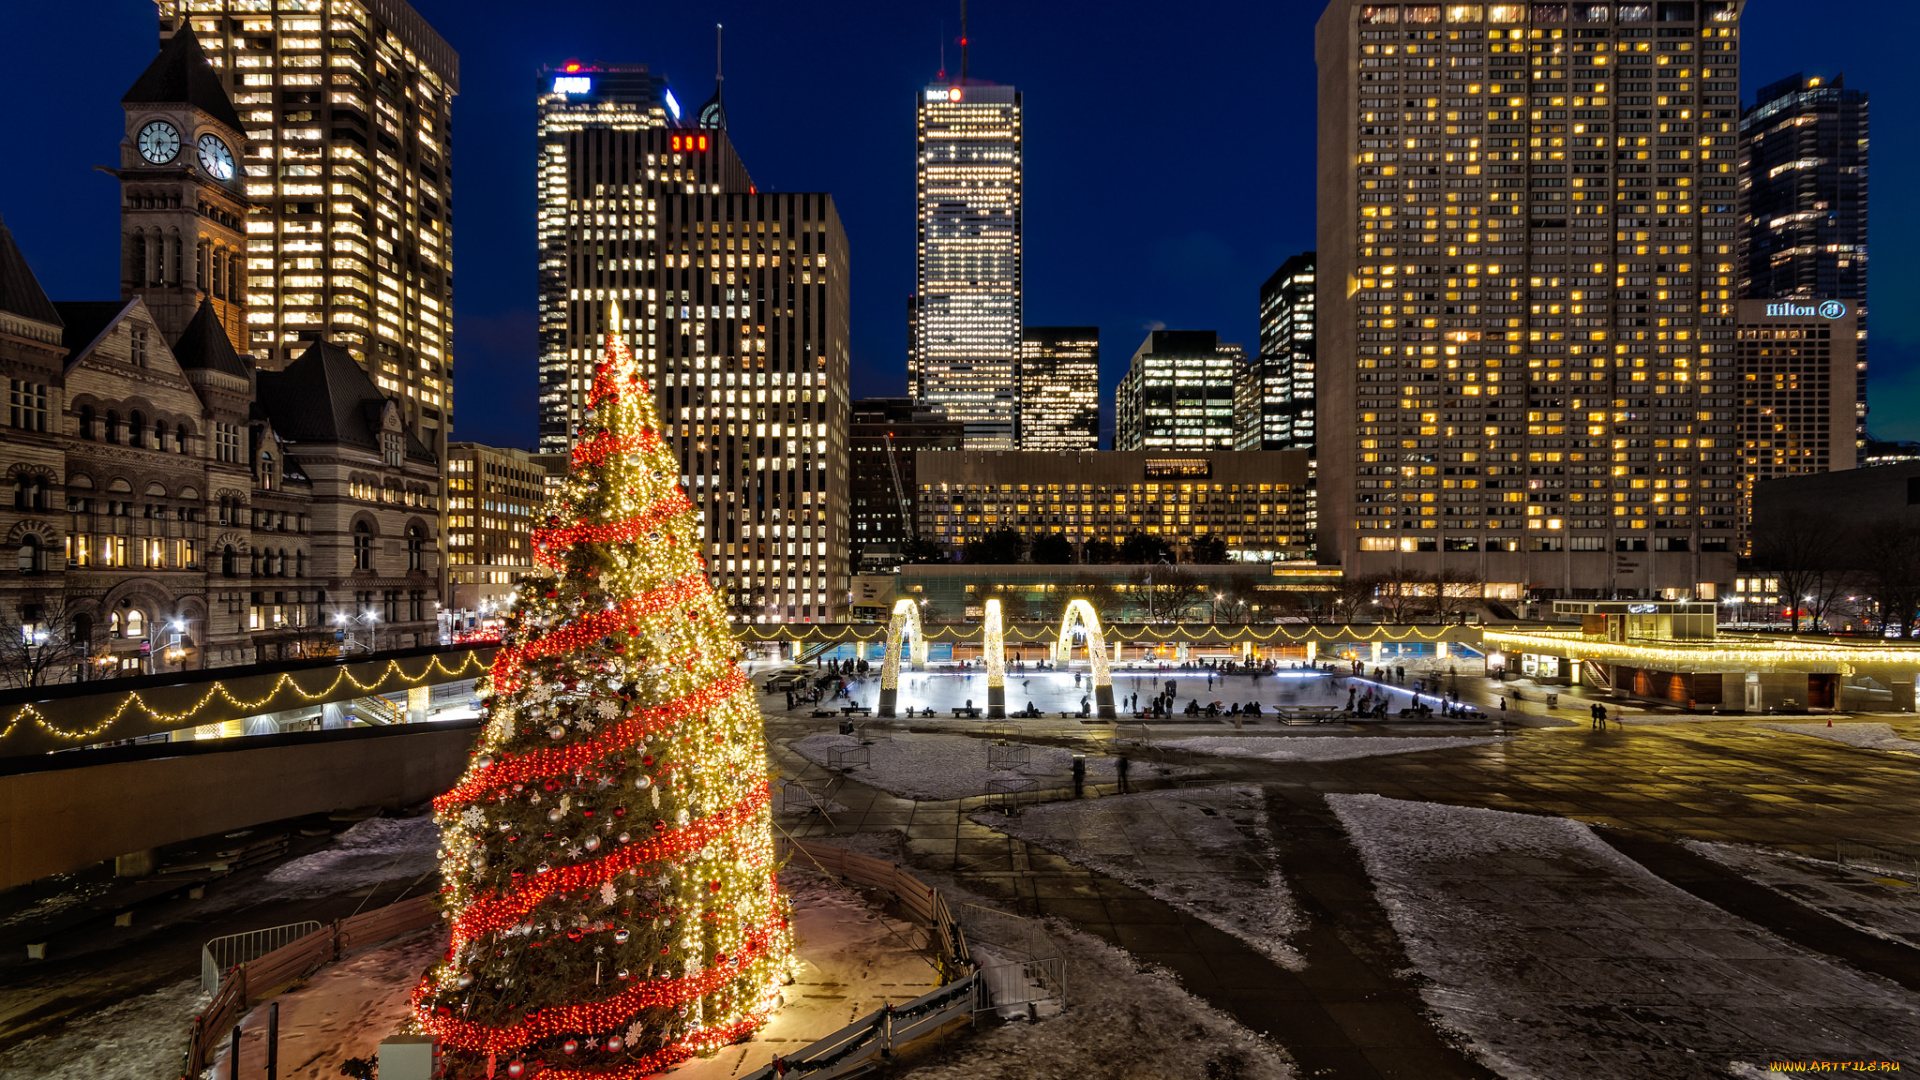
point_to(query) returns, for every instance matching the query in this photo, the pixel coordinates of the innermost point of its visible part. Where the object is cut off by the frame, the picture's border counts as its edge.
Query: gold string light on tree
(608, 856)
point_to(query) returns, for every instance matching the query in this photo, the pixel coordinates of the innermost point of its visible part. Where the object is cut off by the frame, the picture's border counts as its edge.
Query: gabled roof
(20, 291)
(204, 344)
(85, 322)
(325, 397)
(181, 74)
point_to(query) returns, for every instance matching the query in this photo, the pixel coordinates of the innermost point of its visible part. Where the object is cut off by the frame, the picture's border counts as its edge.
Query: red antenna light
(573, 67)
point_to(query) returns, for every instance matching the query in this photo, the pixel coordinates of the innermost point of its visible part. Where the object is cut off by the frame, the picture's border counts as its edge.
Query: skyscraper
(348, 113)
(1526, 374)
(1060, 388)
(884, 435)
(968, 177)
(1803, 201)
(736, 300)
(1796, 364)
(1279, 407)
(1178, 393)
(611, 146)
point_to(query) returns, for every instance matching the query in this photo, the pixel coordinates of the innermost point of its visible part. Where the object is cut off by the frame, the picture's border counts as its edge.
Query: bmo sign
(1826, 309)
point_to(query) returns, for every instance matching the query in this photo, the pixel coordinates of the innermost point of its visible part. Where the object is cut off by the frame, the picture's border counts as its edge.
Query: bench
(962, 710)
(855, 710)
(822, 712)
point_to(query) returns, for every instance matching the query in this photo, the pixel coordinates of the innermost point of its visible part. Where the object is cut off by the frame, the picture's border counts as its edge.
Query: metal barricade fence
(222, 954)
(1892, 860)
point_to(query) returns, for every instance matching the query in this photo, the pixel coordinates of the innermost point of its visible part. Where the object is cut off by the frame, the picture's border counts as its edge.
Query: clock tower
(183, 198)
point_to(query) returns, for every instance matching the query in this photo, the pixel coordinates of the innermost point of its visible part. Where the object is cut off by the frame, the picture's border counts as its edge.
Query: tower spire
(714, 113)
(963, 41)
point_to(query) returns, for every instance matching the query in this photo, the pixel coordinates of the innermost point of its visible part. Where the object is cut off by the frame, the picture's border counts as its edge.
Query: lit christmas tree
(609, 854)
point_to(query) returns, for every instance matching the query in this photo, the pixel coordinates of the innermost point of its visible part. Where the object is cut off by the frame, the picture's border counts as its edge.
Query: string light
(1340, 634)
(906, 616)
(994, 645)
(1748, 656)
(1082, 613)
(389, 676)
(607, 858)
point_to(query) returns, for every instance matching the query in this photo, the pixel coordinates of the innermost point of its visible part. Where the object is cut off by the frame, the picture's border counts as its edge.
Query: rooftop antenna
(943, 50)
(963, 42)
(719, 61)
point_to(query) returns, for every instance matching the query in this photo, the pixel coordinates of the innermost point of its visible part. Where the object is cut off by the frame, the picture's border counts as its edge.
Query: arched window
(29, 554)
(20, 492)
(83, 630)
(37, 493)
(416, 548)
(254, 567)
(136, 623)
(299, 564)
(362, 546)
(227, 558)
(159, 434)
(180, 439)
(285, 570)
(136, 429)
(114, 625)
(113, 426)
(86, 422)
(137, 260)
(266, 469)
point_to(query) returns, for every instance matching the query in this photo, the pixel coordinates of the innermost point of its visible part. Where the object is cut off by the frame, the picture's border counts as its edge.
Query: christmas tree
(608, 856)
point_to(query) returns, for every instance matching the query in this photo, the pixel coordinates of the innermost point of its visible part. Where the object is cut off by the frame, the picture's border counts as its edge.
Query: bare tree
(1887, 554)
(1800, 550)
(1164, 593)
(42, 644)
(1403, 595)
(1456, 592)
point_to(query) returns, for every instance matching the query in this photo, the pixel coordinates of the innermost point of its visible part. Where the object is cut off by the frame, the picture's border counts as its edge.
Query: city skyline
(1195, 265)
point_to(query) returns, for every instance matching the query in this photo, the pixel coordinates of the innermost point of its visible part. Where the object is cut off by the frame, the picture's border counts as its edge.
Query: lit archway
(1080, 613)
(993, 646)
(905, 622)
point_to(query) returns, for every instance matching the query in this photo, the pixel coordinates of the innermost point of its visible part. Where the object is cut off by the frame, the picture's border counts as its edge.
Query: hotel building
(348, 113)
(1060, 388)
(1527, 217)
(1803, 201)
(1795, 363)
(968, 316)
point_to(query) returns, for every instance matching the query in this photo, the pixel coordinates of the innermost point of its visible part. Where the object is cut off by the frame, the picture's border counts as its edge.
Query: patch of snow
(372, 851)
(917, 766)
(1206, 851)
(1317, 748)
(1860, 899)
(1864, 736)
(136, 1039)
(1556, 956)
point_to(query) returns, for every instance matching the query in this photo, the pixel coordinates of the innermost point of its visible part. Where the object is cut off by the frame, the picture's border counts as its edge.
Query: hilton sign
(1830, 309)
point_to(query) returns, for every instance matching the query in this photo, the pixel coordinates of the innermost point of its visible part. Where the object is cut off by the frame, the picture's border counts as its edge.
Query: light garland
(1756, 656)
(906, 615)
(994, 645)
(607, 858)
(1347, 633)
(1081, 612)
(134, 701)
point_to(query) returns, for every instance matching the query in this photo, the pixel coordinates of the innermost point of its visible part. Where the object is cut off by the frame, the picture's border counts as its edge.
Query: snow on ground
(372, 851)
(136, 1039)
(853, 961)
(1315, 747)
(1206, 851)
(1865, 736)
(1124, 1021)
(1882, 906)
(917, 766)
(342, 1012)
(1556, 956)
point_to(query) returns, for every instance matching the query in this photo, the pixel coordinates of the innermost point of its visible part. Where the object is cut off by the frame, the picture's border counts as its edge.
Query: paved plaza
(1351, 1010)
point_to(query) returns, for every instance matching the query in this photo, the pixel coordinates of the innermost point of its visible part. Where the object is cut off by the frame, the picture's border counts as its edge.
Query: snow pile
(917, 766)
(1206, 851)
(1556, 956)
(1864, 736)
(1316, 747)
(1860, 899)
(371, 852)
(136, 1039)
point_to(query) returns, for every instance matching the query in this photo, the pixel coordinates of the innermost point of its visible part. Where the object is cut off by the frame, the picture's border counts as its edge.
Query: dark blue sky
(1169, 154)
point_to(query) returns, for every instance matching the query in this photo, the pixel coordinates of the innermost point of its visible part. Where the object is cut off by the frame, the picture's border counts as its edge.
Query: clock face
(159, 142)
(215, 158)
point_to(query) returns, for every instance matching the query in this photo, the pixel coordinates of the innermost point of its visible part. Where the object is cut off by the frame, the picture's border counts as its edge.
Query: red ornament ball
(515, 1068)
(569, 1046)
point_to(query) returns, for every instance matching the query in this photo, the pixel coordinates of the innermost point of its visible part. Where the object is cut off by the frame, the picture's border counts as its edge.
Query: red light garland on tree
(608, 857)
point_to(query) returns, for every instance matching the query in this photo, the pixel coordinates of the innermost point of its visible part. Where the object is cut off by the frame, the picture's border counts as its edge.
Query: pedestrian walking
(1121, 767)
(1503, 706)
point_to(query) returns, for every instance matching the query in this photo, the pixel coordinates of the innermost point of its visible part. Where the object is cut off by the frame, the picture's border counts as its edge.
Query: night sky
(1169, 154)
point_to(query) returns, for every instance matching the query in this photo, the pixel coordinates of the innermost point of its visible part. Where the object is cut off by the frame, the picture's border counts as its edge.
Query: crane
(908, 526)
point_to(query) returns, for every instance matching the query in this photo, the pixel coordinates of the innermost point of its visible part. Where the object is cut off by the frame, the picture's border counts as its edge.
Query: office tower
(751, 368)
(611, 146)
(1803, 201)
(913, 347)
(1280, 393)
(494, 497)
(1795, 364)
(968, 176)
(1528, 361)
(1252, 502)
(1178, 393)
(882, 437)
(1060, 388)
(348, 113)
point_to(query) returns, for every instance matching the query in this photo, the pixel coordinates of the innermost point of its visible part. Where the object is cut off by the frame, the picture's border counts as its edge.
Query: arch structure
(905, 622)
(993, 646)
(1080, 613)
